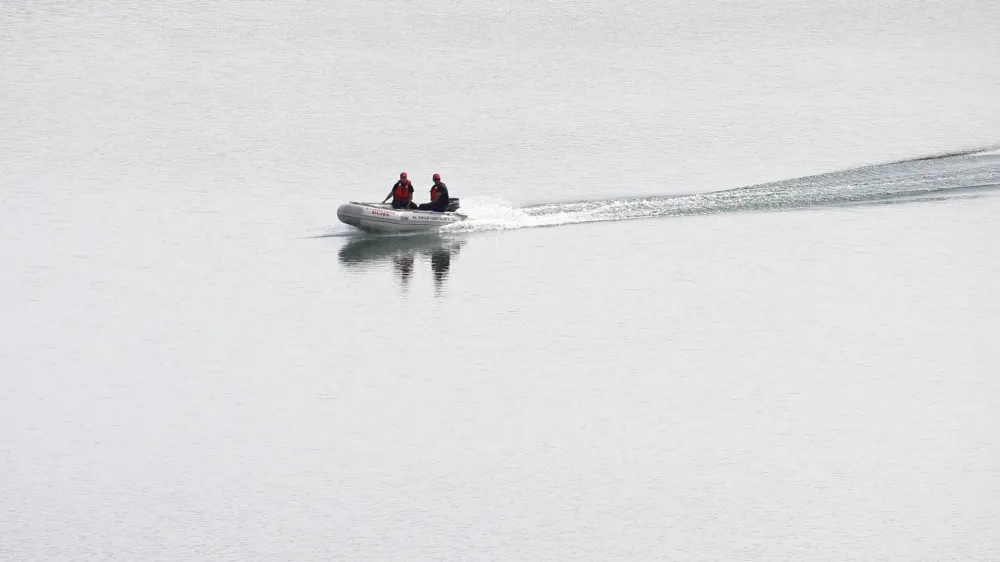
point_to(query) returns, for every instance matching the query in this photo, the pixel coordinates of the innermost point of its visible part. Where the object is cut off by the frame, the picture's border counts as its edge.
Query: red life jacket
(434, 193)
(401, 192)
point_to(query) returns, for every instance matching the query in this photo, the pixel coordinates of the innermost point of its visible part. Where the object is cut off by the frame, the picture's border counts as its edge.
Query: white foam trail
(939, 177)
(489, 213)
(494, 213)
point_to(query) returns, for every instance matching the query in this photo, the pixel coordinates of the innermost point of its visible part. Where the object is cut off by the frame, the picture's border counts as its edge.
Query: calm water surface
(660, 336)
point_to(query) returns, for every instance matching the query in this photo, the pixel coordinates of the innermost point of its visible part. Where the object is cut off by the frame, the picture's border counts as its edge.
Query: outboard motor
(452, 204)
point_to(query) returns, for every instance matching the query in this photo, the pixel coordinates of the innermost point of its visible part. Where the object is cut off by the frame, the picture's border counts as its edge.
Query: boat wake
(966, 174)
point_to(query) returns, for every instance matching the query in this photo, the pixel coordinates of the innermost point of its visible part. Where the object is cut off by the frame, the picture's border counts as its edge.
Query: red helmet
(436, 177)
(402, 175)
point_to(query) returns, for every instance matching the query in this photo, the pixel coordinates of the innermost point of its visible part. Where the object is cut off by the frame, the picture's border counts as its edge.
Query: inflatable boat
(381, 217)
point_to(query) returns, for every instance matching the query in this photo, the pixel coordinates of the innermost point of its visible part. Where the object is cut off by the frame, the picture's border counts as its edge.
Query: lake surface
(728, 289)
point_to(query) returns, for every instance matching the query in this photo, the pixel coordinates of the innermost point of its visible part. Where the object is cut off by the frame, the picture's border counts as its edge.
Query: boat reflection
(402, 253)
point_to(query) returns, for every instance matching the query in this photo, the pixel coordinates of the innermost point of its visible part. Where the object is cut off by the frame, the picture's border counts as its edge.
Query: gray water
(727, 290)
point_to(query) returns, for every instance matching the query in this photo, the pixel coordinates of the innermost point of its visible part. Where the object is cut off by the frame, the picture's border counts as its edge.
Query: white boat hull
(380, 217)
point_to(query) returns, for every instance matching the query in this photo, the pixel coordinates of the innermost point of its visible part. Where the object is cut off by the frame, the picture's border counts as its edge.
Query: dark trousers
(439, 207)
(401, 205)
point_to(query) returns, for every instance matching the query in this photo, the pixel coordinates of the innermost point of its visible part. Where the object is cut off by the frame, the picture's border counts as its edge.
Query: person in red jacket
(402, 194)
(439, 196)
